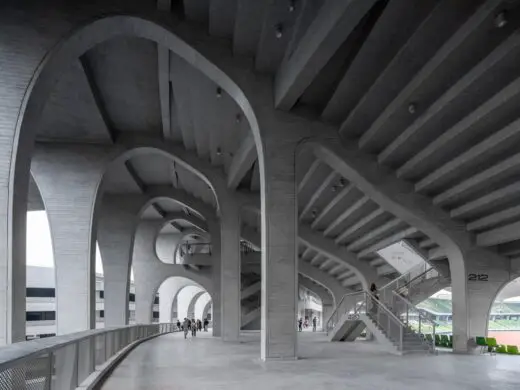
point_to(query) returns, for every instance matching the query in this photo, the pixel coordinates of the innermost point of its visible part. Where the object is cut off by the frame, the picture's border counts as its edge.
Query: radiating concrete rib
(333, 203)
(325, 264)
(248, 26)
(314, 198)
(344, 275)
(315, 259)
(499, 139)
(487, 176)
(486, 201)
(308, 175)
(335, 269)
(494, 219)
(250, 290)
(373, 234)
(384, 40)
(242, 162)
(333, 24)
(345, 214)
(442, 54)
(388, 241)
(362, 222)
(350, 281)
(499, 235)
(461, 127)
(163, 62)
(329, 250)
(451, 94)
(306, 252)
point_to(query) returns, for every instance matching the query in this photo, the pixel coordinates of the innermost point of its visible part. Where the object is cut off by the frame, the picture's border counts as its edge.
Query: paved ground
(170, 362)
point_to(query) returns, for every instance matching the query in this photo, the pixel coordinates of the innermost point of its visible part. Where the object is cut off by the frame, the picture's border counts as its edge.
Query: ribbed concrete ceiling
(429, 89)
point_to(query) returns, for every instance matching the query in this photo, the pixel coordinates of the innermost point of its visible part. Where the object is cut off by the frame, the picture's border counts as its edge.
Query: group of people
(192, 326)
(305, 324)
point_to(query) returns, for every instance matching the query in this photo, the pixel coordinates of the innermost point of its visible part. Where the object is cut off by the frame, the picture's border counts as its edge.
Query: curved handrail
(14, 355)
(421, 314)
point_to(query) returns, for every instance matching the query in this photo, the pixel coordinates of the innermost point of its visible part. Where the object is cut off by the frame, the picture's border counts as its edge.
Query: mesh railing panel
(31, 375)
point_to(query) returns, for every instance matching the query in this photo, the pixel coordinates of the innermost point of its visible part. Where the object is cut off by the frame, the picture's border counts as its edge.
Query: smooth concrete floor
(170, 362)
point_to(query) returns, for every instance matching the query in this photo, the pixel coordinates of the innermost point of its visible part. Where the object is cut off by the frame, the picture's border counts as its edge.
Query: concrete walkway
(170, 362)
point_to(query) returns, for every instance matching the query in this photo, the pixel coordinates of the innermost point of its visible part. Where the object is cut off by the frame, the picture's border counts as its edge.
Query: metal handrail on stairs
(364, 302)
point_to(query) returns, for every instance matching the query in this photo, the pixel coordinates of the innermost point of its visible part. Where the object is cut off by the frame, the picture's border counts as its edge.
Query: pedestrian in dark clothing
(300, 324)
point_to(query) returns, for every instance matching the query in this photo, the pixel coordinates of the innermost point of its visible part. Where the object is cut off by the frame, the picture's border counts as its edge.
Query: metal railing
(364, 302)
(191, 248)
(408, 280)
(416, 320)
(66, 362)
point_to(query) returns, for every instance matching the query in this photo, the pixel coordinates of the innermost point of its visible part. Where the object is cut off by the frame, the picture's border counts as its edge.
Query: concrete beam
(316, 195)
(487, 177)
(494, 219)
(340, 255)
(486, 201)
(460, 128)
(308, 174)
(426, 72)
(332, 25)
(444, 101)
(498, 140)
(374, 234)
(243, 160)
(250, 290)
(345, 214)
(333, 203)
(358, 225)
(499, 235)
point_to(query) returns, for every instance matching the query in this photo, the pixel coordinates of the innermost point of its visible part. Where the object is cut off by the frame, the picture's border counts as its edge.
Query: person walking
(300, 324)
(178, 325)
(375, 297)
(206, 323)
(199, 325)
(185, 327)
(314, 321)
(193, 328)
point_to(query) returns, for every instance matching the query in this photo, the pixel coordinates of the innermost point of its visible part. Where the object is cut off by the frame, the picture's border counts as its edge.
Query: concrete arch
(399, 198)
(193, 302)
(201, 304)
(168, 291)
(206, 309)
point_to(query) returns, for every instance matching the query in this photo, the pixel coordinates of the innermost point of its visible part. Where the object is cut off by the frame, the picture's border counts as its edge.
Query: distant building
(41, 303)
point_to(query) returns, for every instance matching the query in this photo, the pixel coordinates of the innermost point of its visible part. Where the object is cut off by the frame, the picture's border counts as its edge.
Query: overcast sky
(39, 245)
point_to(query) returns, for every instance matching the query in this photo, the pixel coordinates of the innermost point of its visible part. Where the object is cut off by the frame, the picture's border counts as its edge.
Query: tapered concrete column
(230, 269)
(68, 178)
(279, 253)
(217, 279)
(118, 219)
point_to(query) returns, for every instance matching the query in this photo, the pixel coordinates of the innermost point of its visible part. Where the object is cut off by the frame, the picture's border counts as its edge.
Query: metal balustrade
(364, 302)
(68, 361)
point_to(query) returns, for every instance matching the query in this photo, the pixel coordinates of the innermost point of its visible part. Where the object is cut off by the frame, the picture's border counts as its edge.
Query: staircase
(391, 326)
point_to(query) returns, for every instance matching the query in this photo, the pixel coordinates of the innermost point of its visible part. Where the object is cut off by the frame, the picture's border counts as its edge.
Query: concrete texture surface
(170, 362)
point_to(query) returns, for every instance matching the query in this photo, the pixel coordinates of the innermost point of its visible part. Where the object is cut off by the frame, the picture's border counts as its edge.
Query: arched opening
(504, 316)
(310, 309)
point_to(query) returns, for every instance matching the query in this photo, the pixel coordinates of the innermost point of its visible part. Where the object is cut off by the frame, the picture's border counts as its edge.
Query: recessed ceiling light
(412, 108)
(500, 19)
(278, 31)
(219, 92)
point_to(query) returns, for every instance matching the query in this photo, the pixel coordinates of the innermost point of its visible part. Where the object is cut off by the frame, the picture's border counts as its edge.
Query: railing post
(50, 367)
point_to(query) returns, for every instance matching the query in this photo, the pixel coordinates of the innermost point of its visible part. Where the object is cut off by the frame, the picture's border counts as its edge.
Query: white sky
(39, 244)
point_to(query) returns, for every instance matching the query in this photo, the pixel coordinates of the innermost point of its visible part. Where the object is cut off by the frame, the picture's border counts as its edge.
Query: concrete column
(68, 179)
(216, 316)
(118, 219)
(325, 314)
(230, 269)
(484, 281)
(279, 253)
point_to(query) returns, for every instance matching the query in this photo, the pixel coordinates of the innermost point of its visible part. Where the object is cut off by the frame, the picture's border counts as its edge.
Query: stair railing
(416, 320)
(364, 302)
(384, 317)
